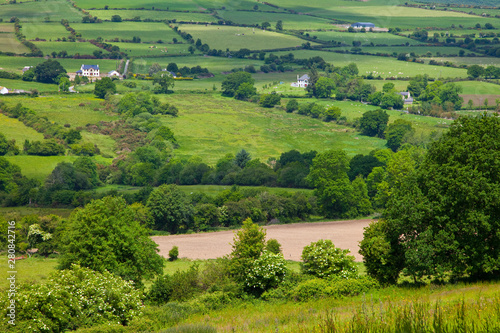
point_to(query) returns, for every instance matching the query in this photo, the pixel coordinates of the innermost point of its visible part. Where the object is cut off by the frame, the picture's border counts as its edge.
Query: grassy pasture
(26, 85)
(30, 270)
(290, 21)
(479, 88)
(55, 10)
(418, 50)
(154, 15)
(235, 38)
(65, 109)
(9, 43)
(383, 66)
(82, 48)
(211, 126)
(38, 167)
(105, 143)
(364, 38)
(484, 61)
(42, 30)
(16, 64)
(147, 4)
(215, 65)
(147, 31)
(14, 129)
(142, 49)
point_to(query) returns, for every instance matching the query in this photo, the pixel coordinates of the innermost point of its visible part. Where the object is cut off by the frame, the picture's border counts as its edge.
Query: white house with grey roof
(89, 71)
(302, 81)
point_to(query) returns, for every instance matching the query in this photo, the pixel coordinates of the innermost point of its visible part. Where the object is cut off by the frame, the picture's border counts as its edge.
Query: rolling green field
(365, 38)
(148, 32)
(105, 143)
(165, 49)
(483, 61)
(9, 43)
(235, 38)
(290, 22)
(16, 64)
(479, 88)
(445, 51)
(154, 15)
(54, 10)
(43, 30)
(14, 129)
(72, 48)
(385, 67)
(26, 85)
(211, 126)
(38, 167)
(147, 4)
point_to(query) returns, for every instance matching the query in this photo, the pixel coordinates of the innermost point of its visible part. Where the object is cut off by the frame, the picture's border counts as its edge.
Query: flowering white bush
(73, 298)
(323, 259)
(266, 272)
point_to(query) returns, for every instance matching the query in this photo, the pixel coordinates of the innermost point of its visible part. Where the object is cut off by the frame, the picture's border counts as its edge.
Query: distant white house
(406, 97)
(3, 90)
(302, 81)
(360, 25)
(27, 68)
(113, 73)
(89, 71)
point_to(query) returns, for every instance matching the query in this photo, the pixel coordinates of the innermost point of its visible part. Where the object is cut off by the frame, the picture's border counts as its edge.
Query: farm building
(3, 90)
(89, 70)
(27, 68)
(363, 25)
(406, 97)
(113, 73)
(302, 81)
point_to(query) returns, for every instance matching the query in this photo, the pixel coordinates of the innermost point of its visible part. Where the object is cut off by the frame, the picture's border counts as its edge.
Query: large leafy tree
(233, 81)
(374, 123)
(445, 216)
(108, 235)
(163, 82)
(104, 86)
(48, 71)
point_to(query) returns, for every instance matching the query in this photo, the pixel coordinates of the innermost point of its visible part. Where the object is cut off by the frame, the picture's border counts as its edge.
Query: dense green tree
(475, 71)
(417, 85)
(292, 105)
(265, 25)
(322, 259)
(279, 25)
(104, 86)
(324, 87)
(170, 209)
(392, 101)
(233, 81)
(362, 165)
(270, 100)
(242, 158)
(116, 18)
(154, 68)
(108, 235)
(162, 83)
(395, 133)
(332, 113)
(48, 71)
(374, 123)
(7, 146)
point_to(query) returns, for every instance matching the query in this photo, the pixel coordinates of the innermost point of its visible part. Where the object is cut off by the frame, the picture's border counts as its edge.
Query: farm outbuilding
(363, 25)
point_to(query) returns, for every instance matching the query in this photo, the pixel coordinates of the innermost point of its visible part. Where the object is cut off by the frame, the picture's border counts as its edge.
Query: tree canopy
(233, 81)
(48, 71)
(104, 86)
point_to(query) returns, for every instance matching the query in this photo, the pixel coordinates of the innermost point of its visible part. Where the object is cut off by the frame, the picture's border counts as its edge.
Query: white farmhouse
(3, 90)
(89, 71)
(302, 81)
(113, 73)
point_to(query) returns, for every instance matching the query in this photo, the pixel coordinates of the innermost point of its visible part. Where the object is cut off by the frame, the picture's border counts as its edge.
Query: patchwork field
(235, 38)
(164, 49)
(72, 48)
(365, 38)
(53, 10)
(154, 15)
(148, 32)
(290, 22)
(9, 43)
(25, 85)
(43, 30)
(14, 129)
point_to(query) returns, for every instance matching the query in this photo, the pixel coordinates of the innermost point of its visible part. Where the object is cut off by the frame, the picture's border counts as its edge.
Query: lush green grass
(484, 61)
(43, 30)
(147, 31)
(383, 66)
(26, 85)
(38, 167)
(70, 47)
(235, 38)
(142, 49)
(364, 38)
(66, 109)
(148, 4)
(418, 50)
(290, 21)
(14, 129)
(16, 64)
(105, 143)
(9, 43)
(154, 15)
(25, 210)
(55, 10)
(30, 270)
(211, 126)
(479, 88)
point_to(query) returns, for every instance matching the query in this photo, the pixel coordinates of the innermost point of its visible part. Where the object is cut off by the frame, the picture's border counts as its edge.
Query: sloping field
(292, 237)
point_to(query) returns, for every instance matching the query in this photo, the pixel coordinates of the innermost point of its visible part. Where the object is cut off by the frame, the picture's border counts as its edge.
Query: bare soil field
(292, 237)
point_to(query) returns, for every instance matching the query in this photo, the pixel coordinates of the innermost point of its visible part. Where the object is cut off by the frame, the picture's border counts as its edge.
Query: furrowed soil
(292, 237)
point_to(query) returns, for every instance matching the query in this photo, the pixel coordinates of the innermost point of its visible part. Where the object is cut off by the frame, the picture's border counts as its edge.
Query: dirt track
(292, 237)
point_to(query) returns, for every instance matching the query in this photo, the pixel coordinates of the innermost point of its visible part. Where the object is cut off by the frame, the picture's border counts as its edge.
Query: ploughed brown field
(292, 237)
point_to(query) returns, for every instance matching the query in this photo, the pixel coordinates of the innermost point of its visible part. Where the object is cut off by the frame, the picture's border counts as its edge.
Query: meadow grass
(38, 167)
(20, 211)
(72, 48)
(483, 61)
(212, 126)
(164, 49)
(38, 11)
(147, 4)
(290, 21)
(9, 43)
(26, 85)
(16, 64)
(235, 38)
(147, 31)
(6, 27)
(154, 15)
(44, 30)
(383, 66)
(364, 38)
(445, 51)
(479, 88)
(66, 109)
(14, 129)
(105, 143)
(29, 270)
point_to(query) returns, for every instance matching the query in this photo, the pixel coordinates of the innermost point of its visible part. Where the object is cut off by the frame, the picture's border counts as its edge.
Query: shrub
(173, 253)
(268, 271)
(336, 287)
(322, 259)
(74, 298)
(273, 246)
